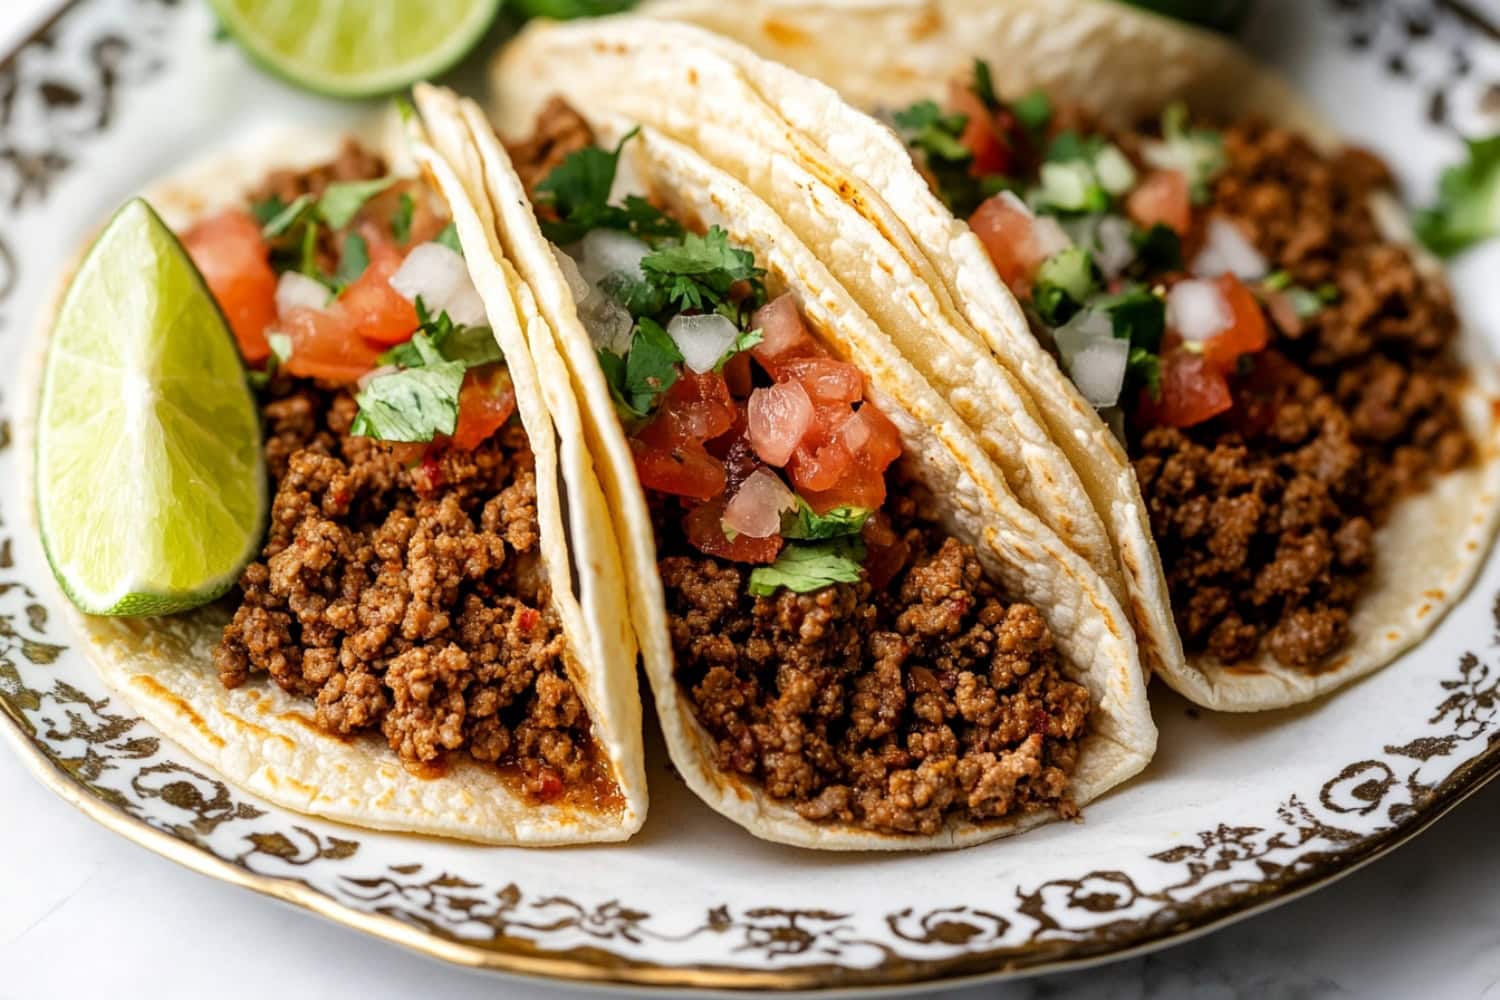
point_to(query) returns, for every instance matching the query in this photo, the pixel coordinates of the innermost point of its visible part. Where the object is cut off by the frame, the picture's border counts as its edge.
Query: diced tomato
(1259, 393)
(870, 433)
(699, 407)
(860, 485)
(1245, 334)
(1161, 198)
(485, 403)
(666, 462)
(236, 263)
(1192, 391)
(992, 154)
(705, 530)
(817, 468)
(324, 345)
(778, 420)
(783, 334)
(1008, 232)
(826, 380)
(377, 311)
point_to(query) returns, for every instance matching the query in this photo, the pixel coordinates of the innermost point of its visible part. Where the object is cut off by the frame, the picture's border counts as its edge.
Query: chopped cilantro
(307, 255)
(1033, 111)
(927, 128)
(804, 524)
(613, 367)
(439, 335)
(1136, 315)
(699, 272)
(401, 221)
(342, 199)
(1144, 367)
(807, 567)
(449, 238)
(651, 367)
(742, 343)
(1069, 145)
(578, 189)
(984, 85)
(413, 404)
(1277, 281)
(1197, 153)
(284, 217)
(1063, 283)
(1158, 248)
(267, 209)
(1327, 292)
(352, 261)
(1468, 203)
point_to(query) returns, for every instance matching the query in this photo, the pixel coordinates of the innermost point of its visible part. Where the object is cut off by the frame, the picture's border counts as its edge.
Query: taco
(1314, 439)
(433, 638)
(856, 636)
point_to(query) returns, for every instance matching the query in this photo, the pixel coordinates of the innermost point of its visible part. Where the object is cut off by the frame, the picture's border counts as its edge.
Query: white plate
(1233, 815)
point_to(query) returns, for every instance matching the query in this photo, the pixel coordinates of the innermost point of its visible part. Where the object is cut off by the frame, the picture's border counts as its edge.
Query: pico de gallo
(1226, 298)
(400, 589)
(841, 649)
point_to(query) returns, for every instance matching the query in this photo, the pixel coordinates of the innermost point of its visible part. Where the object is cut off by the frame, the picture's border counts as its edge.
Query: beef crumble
(1264, 517)
(410, 598)
(892, 709)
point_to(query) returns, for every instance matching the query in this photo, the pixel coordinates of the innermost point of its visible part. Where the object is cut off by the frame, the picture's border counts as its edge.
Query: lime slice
(356, 48)
(149, 485)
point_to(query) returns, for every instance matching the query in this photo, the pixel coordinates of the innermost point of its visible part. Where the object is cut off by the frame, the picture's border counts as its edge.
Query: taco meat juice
(1284, 372)
(400, 589)
(838, 647)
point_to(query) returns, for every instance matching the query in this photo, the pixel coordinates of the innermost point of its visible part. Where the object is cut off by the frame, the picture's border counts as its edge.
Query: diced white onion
(440, 278)
(608, 323)
(375, 373)
(755, 510)
(1114, 170)
(1094, 357)
(1197, 310)
(1113, 249)
(1226, 251)
(1048, 237)
(605, 252)
(702, 339)
(295, 290)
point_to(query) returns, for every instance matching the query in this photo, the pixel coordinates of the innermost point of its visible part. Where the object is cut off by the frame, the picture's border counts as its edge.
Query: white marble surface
(84, 913)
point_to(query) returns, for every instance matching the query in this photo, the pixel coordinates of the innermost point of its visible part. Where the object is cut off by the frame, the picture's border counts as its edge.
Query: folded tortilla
(1017, 549)
(265, 740)
(1125, 65)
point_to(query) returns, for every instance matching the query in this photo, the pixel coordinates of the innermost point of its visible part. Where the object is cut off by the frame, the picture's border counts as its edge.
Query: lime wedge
(150, 488)
(356, 48)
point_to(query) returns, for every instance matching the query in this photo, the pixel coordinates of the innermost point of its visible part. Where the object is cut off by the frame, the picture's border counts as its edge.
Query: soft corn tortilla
(265, 740)
(1126, 65)
(1015, 547)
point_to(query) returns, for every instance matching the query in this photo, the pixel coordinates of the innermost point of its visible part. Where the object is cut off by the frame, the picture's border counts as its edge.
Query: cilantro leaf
(613, 367)
(1158, 248)
(401, 221)
(1468, 203)
(1033, 111)
(1136, 315)
(1144, 367)
(984, 85)
(448, 341)
(803, 523)
(353, 261)
(742, 343)
(413, 404)
(651, 367)
(267, 209)
(285, 217)
(934, 133)
(449, 238)
(1063, 283)
(698, 272)
(1197, 153)
(578, 189)
(342, 199)
(1069, 146)
(808, 567)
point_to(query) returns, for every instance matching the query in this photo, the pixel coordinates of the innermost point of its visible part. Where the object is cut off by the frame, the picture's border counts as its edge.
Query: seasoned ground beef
(1264, 517)
(891, 709)
(557, 131)
(409, 600)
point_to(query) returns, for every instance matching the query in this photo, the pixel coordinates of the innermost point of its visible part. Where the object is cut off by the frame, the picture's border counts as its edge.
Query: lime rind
(346, 49)
(150, 484)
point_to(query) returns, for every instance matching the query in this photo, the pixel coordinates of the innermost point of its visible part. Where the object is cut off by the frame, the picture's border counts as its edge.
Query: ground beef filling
(410, 600)
(1264, 517)
(890, 709)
